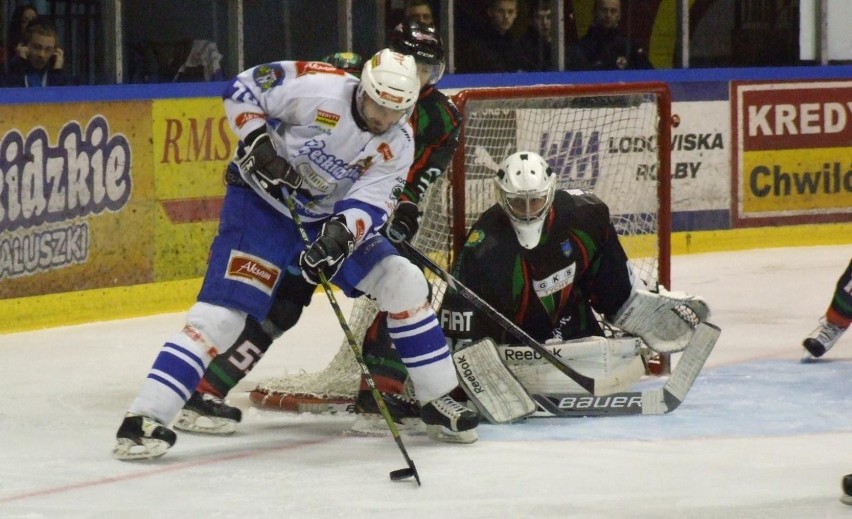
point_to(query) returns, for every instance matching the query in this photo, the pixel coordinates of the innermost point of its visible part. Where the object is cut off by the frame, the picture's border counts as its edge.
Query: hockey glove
(327, 253)
(270, 170)
(404, 222)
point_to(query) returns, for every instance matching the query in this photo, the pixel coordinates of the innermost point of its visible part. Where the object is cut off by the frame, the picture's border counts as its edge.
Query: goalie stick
(395, 475)
(421, 259)
(660, 400)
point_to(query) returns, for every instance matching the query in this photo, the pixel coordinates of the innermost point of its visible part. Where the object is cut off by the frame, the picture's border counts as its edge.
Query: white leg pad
(490, 385)
(614, 363)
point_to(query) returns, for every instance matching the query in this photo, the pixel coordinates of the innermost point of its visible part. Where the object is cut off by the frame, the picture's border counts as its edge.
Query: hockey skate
(822, 339)
(140, 438)
(207, 414)
(449, 421)
(404, 411)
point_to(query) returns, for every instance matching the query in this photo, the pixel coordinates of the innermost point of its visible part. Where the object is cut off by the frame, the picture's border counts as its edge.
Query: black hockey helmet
(424, 43)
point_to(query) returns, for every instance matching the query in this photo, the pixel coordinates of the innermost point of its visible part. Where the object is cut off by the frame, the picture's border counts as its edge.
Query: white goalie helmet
(526, 186)
(390, 79)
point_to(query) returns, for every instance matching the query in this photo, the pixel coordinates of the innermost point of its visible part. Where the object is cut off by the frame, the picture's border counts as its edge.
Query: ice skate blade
(369, 425)
(439, 433)
(128, 450)
(190, 421)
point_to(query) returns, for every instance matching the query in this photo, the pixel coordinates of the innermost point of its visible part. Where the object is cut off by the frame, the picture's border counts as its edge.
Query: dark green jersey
(549, 291)
(437, 123)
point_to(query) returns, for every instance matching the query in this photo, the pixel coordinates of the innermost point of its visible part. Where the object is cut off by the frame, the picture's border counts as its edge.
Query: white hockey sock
(423, 349)
(174, 376)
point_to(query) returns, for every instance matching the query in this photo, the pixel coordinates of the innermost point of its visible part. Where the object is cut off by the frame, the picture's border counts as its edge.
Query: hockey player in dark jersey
(554, 262)
(436, 123)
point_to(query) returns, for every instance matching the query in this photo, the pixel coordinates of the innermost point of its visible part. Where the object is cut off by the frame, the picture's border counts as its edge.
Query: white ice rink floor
(759, 435)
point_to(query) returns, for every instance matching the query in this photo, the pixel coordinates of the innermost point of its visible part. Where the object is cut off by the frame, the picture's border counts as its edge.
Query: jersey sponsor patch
(249, 269)
(317, 67)
(268, 76)
(556, 281)
(456, 321)
(241, 119)
(385, 150)
(327, 118)
(566, 248)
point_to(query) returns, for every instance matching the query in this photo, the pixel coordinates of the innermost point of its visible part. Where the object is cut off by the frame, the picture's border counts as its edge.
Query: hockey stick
(424, 261)
(660, 400)
(395, 475)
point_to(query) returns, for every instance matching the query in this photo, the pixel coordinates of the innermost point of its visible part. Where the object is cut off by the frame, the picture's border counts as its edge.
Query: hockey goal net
(612, 140)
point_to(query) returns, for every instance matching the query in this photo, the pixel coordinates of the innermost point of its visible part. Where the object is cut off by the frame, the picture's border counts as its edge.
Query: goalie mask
(390, 79)
(525, 187)
(424, 43)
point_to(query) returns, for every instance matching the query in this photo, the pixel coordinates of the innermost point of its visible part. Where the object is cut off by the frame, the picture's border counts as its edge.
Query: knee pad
(219, 326)
(395, 284)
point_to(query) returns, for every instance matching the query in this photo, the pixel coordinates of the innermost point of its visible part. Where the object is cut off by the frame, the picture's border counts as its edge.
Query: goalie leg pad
(490, 385)
(614, 363)
(665, 321)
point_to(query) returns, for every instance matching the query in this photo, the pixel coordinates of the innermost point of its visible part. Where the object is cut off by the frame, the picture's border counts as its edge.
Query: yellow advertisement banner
(192, 145)
(789, 182)
(77, 197)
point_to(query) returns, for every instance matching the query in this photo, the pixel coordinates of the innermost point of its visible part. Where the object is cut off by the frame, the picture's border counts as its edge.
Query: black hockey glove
(270, 170)
(327, 253)
(404, 222)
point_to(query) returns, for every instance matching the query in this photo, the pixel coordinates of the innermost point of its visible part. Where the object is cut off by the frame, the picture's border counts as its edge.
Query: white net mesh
(603, 143)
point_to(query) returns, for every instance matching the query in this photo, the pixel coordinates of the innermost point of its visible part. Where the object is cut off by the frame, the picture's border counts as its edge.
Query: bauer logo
(254, 271)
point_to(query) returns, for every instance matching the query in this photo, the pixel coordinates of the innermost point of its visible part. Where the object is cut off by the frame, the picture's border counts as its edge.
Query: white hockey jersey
(307, 108)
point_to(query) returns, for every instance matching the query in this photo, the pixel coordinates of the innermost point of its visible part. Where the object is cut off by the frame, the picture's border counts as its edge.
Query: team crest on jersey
(268, 76)
(317, 67)
(566, 247)
(251, 270)
(475, 238)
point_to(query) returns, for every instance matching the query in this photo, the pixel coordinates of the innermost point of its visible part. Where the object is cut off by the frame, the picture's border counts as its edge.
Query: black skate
(846, 498)
(822, 339)
(207, 414)
(404, 411)
(141, 438)
(449, 421)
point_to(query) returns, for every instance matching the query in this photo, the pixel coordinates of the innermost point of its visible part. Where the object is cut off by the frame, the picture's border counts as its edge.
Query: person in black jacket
(604, 47)
(44, 61)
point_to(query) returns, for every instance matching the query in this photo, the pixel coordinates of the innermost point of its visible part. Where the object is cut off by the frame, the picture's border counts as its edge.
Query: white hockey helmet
(390, 79)
(525, 187)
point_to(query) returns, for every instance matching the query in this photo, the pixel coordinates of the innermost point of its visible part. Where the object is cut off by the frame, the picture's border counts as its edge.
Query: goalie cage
(612, 140)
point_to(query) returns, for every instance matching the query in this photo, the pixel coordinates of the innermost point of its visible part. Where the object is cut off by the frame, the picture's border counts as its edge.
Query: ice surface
(759, 435)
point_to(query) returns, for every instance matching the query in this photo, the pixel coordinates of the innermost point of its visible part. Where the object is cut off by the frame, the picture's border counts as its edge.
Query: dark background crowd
(57, 42)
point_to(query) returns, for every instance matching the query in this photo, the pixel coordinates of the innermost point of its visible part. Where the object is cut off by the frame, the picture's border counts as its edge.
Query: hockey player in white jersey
(341, 149)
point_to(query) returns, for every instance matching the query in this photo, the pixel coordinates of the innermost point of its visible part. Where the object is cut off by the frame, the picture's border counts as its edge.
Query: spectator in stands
(21, 17)
(420, 10)
(604, 47)
(44, 61)
(536, 42)
(492, 47)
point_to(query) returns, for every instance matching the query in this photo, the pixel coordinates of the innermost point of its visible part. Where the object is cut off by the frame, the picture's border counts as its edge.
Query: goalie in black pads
(550, 261)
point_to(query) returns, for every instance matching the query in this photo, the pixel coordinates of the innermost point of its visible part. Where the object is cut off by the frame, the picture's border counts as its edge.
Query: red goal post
(613, 140)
